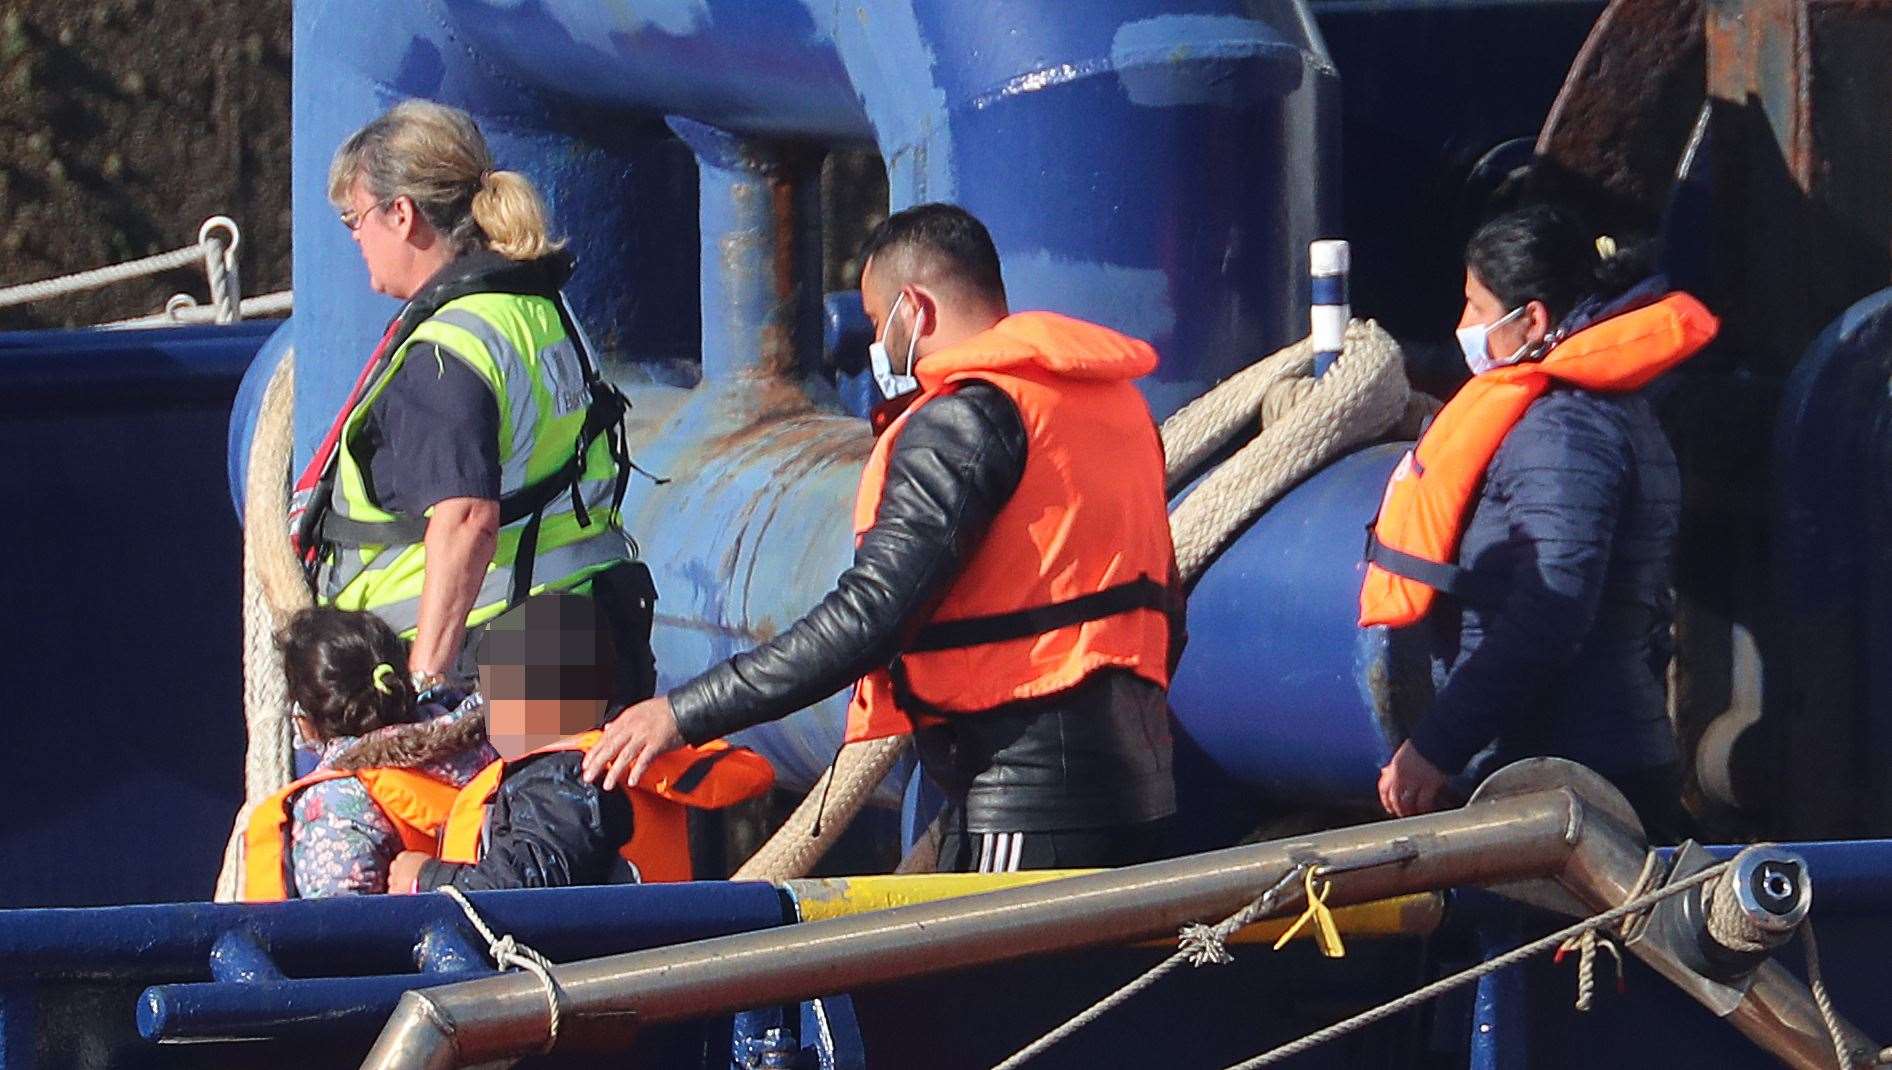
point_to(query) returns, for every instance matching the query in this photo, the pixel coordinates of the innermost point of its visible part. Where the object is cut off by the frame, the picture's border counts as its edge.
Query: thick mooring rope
(1362, 397)
(273, 589)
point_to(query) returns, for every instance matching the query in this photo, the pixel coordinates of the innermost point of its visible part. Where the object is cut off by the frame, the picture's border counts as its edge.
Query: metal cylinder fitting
(1764, 898)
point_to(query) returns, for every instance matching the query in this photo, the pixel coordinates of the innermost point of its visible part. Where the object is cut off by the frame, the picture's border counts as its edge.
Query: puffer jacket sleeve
(955, 464)
(1560, 477)
(549, 829)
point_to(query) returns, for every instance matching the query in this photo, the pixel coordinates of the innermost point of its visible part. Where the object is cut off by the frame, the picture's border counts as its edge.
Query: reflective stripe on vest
(517, 345)
(710, 777)
(1412, 546)
(413, 802)
(1074, 573)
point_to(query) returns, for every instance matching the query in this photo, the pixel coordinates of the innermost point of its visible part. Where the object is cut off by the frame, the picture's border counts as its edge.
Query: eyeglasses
(353, 219)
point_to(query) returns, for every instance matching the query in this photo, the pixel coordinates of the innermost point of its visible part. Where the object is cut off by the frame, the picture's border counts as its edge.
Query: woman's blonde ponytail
(509, 212)
(436, 155)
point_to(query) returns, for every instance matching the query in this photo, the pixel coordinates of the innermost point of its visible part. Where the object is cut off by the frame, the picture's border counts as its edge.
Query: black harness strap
(604, 415)
(1140, 593)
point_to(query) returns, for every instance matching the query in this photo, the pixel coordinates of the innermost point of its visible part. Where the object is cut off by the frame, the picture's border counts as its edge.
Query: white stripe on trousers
(999, 852)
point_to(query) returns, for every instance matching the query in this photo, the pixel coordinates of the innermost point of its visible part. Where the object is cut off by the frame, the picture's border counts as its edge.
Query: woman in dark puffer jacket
(1570, 538)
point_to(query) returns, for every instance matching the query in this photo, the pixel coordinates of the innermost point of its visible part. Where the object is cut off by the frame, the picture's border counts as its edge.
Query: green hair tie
(383, 672)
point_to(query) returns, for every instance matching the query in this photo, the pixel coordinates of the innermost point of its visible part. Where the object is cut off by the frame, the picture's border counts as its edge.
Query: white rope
(1845, 1051)
(1362, 396)
(1629, 908)
(829, 806)
(217, 254)
(1198, 945)
(272, 590)
(183, 308)
(1591, 941)
(507, 953)
(220, 266)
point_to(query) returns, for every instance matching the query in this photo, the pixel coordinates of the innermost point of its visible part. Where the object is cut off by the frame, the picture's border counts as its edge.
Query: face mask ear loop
(913, 341)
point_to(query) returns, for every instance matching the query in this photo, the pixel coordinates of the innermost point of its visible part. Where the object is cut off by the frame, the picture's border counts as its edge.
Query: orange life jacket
(1076, 572)
(413, 802)
(709, 777)
(1414, 541)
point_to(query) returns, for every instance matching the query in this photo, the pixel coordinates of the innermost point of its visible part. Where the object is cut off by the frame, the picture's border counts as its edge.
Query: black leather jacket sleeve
(548, 828)
(955, 464)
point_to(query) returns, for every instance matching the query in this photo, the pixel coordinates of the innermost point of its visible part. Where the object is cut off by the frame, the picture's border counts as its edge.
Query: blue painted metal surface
(123, 582)
(1203, 250)
(1280, 606)
(223, 970)
(1829, 702)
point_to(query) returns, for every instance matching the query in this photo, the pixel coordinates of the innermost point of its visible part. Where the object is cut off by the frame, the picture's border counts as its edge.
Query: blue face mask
(894, 384)
(1476, 342)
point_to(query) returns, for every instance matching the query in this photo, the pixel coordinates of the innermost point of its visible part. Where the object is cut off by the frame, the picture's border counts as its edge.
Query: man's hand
(404, 873)
(632, 740)
(1410, 784)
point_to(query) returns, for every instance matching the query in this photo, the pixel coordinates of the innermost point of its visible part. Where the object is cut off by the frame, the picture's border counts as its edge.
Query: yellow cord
(1326, 932)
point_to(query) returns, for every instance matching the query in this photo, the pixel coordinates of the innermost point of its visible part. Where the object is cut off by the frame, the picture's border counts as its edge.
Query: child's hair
(347, 671)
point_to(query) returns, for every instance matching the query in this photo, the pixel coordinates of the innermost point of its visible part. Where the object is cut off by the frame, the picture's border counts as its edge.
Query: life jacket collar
(1046, 341)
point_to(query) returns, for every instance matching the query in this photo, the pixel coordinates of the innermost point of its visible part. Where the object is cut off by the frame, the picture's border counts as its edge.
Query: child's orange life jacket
(710, 777)
(413, 802)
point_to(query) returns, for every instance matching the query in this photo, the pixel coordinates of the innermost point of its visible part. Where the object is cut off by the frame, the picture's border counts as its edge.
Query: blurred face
(524, 711)
(381, 230)
(543, 684)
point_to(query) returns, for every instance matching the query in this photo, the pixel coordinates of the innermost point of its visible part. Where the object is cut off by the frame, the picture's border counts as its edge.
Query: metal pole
(1529, 836)
(1556, 833)
(1329, 263)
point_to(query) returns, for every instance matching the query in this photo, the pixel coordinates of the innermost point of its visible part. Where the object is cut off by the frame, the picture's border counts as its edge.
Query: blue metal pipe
(1110, 147)
(318, 1009)
(1279, 687)
(748, 201)
(372, 933)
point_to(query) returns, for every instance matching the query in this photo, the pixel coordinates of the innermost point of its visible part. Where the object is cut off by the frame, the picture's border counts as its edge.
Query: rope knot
(1204, 945)
(507, 951)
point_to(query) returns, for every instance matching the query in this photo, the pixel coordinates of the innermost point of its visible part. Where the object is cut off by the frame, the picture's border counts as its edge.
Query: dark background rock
(124, 124)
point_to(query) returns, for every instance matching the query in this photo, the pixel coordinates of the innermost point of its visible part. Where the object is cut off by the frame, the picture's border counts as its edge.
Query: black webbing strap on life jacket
(1140, 593)
(1468, 587)
(699, 770)
(604, 416)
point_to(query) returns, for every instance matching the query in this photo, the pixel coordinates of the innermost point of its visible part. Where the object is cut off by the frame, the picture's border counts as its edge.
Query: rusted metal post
(761, 303)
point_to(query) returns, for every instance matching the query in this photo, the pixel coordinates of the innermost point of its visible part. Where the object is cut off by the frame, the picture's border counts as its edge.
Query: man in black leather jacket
(1079, 777)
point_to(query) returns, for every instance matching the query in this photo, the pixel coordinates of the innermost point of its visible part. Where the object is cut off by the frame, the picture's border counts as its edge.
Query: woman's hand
(404, 873)
(1410, 784)
(632, 740)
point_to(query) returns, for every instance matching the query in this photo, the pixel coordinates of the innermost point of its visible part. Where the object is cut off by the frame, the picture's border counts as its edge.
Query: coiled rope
(215, 249)
(273, 590)
(1305, 423)
(508, 953)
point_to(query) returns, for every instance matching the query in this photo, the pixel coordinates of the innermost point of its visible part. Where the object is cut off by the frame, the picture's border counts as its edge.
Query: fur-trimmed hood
(406, 746)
